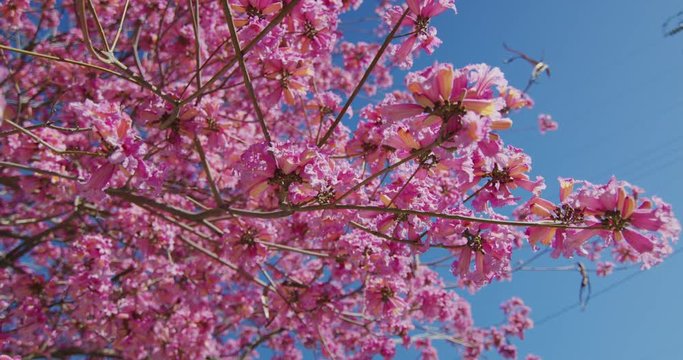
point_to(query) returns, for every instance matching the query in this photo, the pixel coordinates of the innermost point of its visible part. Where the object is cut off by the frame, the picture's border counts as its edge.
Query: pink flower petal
(638, 241)
(400, 111)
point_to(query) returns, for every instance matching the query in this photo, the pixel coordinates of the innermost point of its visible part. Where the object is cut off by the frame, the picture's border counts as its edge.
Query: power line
(648, 156)
(654, 171)
(608, 288)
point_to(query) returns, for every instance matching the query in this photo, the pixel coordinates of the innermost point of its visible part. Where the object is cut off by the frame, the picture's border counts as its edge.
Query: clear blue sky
(617, 92)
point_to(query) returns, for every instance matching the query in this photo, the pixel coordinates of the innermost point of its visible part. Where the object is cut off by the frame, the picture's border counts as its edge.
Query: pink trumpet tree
(176, 182)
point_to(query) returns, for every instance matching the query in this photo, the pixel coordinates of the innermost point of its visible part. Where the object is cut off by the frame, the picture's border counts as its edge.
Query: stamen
(474, 242)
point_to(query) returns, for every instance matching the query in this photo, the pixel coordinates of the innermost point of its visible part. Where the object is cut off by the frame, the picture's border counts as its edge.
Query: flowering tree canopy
(176, 182)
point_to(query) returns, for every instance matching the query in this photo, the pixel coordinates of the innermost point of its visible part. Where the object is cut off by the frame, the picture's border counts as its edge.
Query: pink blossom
(251, 10)
(288, 77)
(256, 167)
(315, 25)
(546, 123)
(421, 35)
(604, 268)
(505, 172)
(150, 211)
(13, 12)
(384, 298)
(462, 102)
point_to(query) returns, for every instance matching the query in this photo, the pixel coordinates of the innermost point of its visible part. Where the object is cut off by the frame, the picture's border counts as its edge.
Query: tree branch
(245, 72)
(205, 164)
(362, 81)
(280, 16)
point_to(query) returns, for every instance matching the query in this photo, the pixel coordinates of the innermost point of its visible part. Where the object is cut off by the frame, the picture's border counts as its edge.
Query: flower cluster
(184, 180)
(616, 213)
(546, 123)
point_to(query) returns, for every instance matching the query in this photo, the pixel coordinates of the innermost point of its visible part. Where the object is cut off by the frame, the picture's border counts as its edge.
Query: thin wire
(649, 155)
(593, 111)
(603, 291)
(528, 261)
(655, 171)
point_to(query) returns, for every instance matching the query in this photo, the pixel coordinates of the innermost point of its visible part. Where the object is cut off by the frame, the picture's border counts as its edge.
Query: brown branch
(213, 213)
(292, 249)
(365, 77)
(61, 59)
(197, 48)
(107, 56)
(446, 216)
(31, 242)
(141, 200)
(136, 52)
(205, 164)
(414, 155)
(83, 20)
(123, 19)
(220, 260)
(39, 171)
(206, 63)
(49, 146)
(477, 191)
(99, 25)
(68, 129)
(259, 341)
(405, 185)
(207, 252)
(409, 242)
(134, 78)
(245, 72)
(280, 16)
(26, 221)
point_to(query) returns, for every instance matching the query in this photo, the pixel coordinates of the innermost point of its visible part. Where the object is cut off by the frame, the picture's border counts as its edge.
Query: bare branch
(49, 146)
(362, 81)
(245, 72)
(123, 19)
(205, 164)
(61, 59)
(39, 171)
(194, 13)
(280, 16)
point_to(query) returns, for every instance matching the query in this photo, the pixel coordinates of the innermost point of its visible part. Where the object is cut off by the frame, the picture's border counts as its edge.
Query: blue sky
(617, 92)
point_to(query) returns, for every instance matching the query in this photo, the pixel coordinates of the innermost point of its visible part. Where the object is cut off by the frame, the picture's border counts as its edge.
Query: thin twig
(26, 221)
(210, 253)
(123, 19)
(409, 242)
(438, 261)
(213, 213)
(280, 16)
(197, 48)
(68, 129)
(39, 171)
(405, 185)
(136, 51)
(365, 77)
(245, 72)
(108, 56)
(477, 191)
(103, 35)
(49, 146)
(207, 170)
(532, 259)
(81, 14)
(16, 131)
(217, 258)
(292, 249)
(414, 155)
(61, 59)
